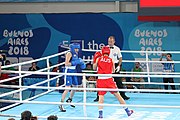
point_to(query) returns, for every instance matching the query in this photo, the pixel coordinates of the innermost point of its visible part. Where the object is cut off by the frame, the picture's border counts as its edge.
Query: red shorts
(106, 83)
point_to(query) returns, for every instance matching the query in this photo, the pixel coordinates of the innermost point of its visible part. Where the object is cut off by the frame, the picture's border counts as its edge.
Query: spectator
(167, 68)
(11, 119)
(54, 82)
(130, 86)
(137, 79)
(26, 115)
(2, 58)
(52, 117)
(7, 62)
(55, 69)
(90, 78)
(89, 68)
(34, 67)
(8, 75)
(123, 79)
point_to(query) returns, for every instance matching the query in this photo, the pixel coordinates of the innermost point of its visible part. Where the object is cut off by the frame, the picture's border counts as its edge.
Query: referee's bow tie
(111, 47)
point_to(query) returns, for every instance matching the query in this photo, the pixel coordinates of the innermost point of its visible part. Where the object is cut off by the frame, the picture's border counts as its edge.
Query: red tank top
(105, 65)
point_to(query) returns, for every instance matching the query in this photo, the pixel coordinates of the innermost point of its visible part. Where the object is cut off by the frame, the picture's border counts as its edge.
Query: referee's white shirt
(115, 53)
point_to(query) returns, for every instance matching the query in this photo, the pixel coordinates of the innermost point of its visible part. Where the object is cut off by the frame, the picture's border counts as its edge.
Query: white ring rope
(148, 74)
(140, 73)
(92, 104)
(31, 86)
(95, 89)
(102, 75)
(36, 60)
(142, 83)
(161, 74)
(135, 51)
(27, 73)
(140, 61)
(133, 83)
(15, 104)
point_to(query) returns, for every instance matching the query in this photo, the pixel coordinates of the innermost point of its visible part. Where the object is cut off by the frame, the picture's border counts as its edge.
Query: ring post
(84, 97)
(147, 67)
(20, 84)
(48, 76)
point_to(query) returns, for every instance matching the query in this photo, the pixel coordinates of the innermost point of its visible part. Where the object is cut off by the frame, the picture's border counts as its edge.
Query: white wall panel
(129, 7)
(68, 7)
(58, 7)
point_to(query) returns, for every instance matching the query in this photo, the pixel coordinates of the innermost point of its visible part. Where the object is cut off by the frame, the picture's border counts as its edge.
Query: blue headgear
(74, 46)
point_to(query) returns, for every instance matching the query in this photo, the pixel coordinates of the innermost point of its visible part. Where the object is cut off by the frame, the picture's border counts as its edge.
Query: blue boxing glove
(82, 64)
(75, 62)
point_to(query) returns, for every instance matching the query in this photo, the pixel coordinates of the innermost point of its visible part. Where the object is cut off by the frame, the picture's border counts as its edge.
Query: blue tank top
(168, 67)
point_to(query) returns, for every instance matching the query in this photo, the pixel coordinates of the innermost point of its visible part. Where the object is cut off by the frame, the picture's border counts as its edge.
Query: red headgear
(105, 50)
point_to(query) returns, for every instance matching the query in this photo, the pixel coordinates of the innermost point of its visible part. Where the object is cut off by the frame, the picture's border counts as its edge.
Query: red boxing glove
(96, 55)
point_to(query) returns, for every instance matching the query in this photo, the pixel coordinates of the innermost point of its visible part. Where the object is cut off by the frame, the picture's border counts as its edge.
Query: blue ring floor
(112, 113)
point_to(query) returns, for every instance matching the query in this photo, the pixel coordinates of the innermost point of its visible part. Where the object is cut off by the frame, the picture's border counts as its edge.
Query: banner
(31, 36)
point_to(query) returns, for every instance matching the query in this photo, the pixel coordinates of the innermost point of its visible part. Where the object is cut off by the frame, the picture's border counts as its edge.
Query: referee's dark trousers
(120, 85)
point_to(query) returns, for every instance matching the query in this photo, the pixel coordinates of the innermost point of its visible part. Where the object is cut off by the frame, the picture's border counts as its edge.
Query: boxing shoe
(100, 114)
(129, 112)
(126, 98)
(96, 100)
(62, 108)
(69, 100)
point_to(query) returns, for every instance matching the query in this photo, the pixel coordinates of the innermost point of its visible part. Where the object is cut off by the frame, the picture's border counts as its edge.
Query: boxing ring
(148, 104)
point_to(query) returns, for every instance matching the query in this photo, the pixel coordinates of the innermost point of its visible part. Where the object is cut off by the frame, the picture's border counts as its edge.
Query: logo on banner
(151, 40)
(18, 41)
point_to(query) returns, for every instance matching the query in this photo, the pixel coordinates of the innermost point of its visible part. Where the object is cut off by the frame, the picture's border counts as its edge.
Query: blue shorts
(71, 80)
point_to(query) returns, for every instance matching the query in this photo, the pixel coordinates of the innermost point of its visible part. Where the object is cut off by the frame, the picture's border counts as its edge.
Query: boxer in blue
(72, 61)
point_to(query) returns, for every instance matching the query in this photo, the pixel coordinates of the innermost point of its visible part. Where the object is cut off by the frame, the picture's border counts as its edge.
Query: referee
(116, 55)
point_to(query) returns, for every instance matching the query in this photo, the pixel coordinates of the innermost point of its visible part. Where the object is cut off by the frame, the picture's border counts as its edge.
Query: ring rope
(140, 61)
(26, 73)
(15, 104)
(138, 83)
(36, 60)
(143, 83)
(95, 89)
(93, 104)
(135, 51)
(25, 88)
(102, 75)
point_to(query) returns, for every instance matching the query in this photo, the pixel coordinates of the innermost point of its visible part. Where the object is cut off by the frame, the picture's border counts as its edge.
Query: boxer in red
(105, 65)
